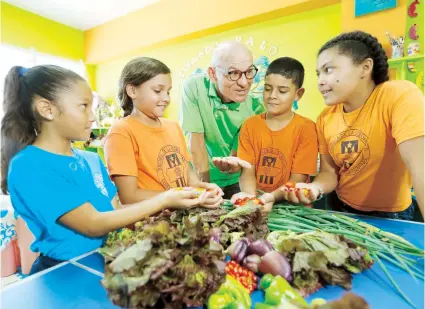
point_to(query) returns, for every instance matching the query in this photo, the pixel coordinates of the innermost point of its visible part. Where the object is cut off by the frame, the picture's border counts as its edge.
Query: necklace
(361, 109)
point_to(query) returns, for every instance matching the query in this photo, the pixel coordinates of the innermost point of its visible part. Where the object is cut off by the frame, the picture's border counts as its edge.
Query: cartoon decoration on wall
(412, 9)
(411, 67)
(413, 49)
(397, 45)
(413, 32)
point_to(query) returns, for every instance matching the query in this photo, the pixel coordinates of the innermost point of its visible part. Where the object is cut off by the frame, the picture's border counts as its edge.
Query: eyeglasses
(235, 75)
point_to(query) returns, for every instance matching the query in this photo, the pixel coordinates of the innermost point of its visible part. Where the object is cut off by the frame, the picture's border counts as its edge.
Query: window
(12, 56)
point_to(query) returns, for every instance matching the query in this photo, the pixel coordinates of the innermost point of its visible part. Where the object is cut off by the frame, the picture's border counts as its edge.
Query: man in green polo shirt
(214, 106)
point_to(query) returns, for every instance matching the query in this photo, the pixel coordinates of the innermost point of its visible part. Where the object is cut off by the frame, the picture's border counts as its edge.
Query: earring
(295, 105)
(50, 117)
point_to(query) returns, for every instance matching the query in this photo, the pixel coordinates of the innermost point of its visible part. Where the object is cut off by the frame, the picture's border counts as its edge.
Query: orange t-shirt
(158, 157)
(372, 174)
(277, 154)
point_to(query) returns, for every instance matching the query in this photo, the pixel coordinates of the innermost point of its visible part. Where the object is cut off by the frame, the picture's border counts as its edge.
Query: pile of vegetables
(226, 225)
(160, 265)
(381, 245)
(259, 256)
(319, 258)
(176, 259)
(278, 294)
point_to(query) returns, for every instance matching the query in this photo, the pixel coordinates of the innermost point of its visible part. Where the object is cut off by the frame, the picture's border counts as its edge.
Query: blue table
(76, 284)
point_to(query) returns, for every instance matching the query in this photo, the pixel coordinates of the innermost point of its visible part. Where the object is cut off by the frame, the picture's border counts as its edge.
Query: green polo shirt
(203, 112)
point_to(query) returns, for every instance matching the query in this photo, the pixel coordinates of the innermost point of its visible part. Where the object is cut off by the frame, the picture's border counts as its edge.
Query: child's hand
(240, 196)
(230, 165)
(213, 197)
(300, 193)
(268, 200)
(180, 198)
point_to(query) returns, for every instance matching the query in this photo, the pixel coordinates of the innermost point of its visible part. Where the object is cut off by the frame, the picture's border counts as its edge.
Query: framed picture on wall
(363, 7)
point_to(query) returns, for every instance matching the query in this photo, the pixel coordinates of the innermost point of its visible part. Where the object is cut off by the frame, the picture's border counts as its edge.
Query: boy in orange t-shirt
(280, 145)
(145, 153)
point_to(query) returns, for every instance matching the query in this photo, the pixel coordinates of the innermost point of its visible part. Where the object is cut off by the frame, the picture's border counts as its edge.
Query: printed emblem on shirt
(350, 150)
(172, 167)
(100, 184)
(271, 168)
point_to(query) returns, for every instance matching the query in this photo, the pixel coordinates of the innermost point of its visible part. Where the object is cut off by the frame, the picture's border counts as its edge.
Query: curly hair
(359, 46)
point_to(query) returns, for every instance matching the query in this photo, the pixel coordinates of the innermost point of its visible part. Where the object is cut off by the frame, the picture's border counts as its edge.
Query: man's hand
(230, 165)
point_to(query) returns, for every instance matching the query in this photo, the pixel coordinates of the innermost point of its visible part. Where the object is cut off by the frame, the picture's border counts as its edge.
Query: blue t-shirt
(43, 186)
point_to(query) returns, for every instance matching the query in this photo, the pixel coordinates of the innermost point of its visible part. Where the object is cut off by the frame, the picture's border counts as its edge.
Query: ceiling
(81, 14)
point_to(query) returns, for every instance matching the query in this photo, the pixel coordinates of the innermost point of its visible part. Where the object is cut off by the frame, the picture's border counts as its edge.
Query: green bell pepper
(277, 288)
(230, 295)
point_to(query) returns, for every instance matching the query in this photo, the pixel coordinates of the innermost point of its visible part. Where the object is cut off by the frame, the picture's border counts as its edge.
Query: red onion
(275, 263)
(238, 250)
(252, 262)
(260, 247)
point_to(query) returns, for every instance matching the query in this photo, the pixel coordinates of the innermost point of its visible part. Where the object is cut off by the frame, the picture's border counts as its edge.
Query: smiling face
(228, 59)
(338, 77)
(153, 96)
(279, 94)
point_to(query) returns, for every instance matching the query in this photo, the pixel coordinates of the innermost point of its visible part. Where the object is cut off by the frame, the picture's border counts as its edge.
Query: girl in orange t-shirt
(371, 135)
(147, 154)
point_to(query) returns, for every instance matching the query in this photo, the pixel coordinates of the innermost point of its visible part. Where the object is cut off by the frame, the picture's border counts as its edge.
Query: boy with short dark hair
(280, 145)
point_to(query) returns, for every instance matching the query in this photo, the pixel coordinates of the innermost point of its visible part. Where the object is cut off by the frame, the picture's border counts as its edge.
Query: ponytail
(17, 125)
(126, 101)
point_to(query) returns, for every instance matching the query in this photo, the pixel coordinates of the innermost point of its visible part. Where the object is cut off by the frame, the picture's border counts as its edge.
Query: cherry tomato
(290, 185)
(306, 192)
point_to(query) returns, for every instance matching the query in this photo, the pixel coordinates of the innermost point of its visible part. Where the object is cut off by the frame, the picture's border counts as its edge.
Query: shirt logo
(172, 167)
(100, 184)
(73, 166)
(350, 150)
(350, 146)
(271, 169)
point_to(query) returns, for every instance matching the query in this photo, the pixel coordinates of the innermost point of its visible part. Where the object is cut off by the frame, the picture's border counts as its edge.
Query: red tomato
(290, 185)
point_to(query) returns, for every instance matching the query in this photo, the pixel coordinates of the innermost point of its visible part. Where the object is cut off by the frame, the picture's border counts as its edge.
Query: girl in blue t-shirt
(64, 195)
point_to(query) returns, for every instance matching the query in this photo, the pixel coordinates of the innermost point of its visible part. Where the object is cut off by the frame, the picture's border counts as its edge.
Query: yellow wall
(392, 20)
(171, 21)
(298, 36)
(25, 29)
